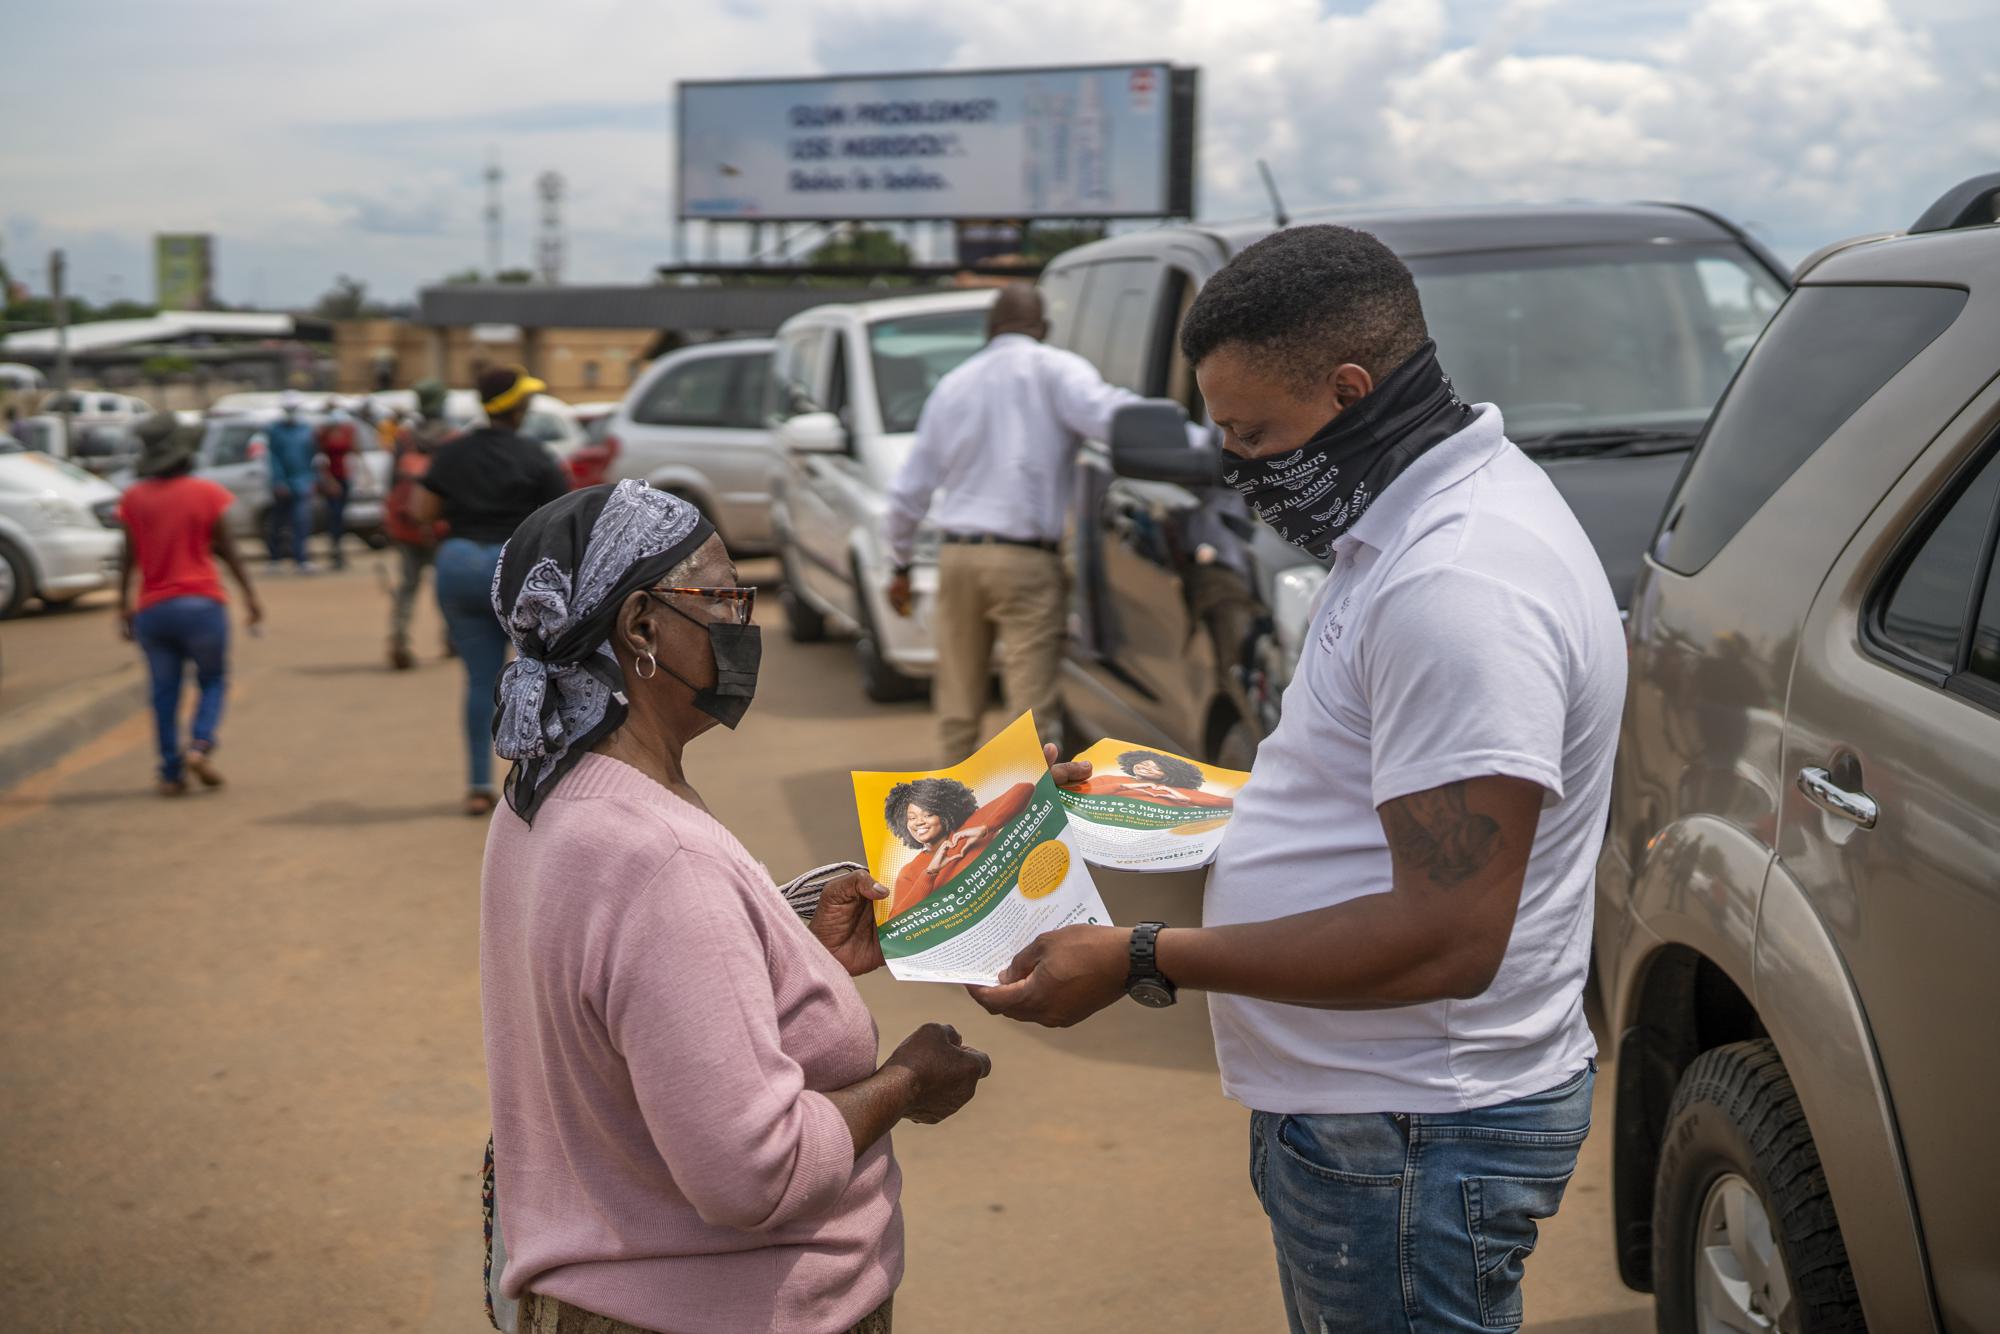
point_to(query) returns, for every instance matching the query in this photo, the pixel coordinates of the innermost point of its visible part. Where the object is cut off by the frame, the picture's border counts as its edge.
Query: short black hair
(1309, 299)
(947, 798)
(1179, 772)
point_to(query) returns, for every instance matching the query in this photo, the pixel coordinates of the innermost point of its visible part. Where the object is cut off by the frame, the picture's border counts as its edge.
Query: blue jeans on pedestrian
(465, 596)
(1417, 1222)
(173, 634)
(336, 517)
(291, 508)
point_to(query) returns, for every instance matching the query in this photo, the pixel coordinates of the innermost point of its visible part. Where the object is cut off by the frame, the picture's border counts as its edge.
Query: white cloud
(317, 141)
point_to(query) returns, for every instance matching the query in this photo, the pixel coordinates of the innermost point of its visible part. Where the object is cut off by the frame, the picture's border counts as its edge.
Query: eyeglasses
(741, 601)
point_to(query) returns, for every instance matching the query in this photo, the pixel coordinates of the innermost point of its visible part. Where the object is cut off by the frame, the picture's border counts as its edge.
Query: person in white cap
(289, 455)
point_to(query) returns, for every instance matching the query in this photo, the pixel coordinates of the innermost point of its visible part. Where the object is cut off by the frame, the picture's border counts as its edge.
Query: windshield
(912, 354)
(1582, 339)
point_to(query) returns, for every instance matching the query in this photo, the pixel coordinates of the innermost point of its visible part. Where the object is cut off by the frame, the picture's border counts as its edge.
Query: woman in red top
(173, 532)
(944, 821)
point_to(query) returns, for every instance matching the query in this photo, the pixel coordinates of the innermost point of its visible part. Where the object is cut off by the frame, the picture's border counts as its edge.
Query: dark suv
(1605, 334)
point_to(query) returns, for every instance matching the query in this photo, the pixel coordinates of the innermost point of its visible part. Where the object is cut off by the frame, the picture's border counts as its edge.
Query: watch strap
(1144, 966)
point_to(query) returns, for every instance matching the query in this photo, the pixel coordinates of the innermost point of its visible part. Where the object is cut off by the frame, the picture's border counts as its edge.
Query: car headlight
(59, 513)
(1292, 595)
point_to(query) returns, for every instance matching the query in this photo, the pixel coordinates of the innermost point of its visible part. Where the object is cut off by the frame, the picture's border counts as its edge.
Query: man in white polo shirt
(1397, 926)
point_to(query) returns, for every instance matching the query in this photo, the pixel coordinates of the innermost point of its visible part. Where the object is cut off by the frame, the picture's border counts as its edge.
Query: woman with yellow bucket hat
(483, 484)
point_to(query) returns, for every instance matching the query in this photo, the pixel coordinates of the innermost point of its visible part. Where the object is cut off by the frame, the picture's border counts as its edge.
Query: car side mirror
(813, 433)
(1149, 443)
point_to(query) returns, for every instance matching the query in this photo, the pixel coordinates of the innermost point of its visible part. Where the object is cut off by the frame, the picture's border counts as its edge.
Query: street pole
(59, 305)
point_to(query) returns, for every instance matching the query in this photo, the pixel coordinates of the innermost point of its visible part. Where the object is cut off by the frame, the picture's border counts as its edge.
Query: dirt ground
(240, 1068)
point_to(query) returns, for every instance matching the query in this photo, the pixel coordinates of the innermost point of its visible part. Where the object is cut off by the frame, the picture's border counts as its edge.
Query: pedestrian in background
(484, 484)
(289, 451)
(993, 460)
(336, 441)
(416, 543)
(173, 532)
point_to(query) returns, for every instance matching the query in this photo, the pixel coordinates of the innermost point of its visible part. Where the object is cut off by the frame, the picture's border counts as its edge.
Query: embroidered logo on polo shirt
(1336, 625)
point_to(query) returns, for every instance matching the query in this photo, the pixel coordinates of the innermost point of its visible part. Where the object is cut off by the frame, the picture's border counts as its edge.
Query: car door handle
(1859, 807)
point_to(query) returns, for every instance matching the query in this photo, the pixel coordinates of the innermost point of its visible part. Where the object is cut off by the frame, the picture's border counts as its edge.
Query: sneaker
(401, 658)
(172, 787)
(202, 765)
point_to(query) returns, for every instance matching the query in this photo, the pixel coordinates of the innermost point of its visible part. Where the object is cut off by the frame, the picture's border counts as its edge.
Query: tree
(514, 276)
(463, 278)
(347, 300)
(1044, 242)
(861, 248)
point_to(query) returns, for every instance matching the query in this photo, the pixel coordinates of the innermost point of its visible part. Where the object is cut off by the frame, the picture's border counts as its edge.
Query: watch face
(1152, 995)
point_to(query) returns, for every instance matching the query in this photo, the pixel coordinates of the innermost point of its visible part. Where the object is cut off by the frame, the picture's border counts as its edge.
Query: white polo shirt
(1467, 630)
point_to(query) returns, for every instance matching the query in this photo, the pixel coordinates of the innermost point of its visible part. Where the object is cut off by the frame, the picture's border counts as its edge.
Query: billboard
(183, 271)
(1105, 141)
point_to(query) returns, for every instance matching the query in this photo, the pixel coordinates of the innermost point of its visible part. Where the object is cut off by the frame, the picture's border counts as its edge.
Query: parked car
(98, 403)
(1604, 333)
(693, 424)
(234, 450)
(59, 531)
(1798, 902)
(549, 419)
(591, 463)
(99, 445)
(846, 385)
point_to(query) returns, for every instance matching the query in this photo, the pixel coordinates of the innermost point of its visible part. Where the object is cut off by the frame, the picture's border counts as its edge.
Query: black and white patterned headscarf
(557, 589)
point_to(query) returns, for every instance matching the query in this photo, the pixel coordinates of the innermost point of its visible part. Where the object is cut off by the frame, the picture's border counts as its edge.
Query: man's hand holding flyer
(985, 856)
(978, 858)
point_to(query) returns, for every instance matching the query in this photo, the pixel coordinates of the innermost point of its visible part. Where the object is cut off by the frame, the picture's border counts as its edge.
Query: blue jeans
(1419, 1222)
(291, 508)
(465, 596)
(336, 518)
(173, 634)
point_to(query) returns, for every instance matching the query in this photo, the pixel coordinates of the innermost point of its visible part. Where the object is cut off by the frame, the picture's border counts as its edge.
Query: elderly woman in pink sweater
(691, 1132)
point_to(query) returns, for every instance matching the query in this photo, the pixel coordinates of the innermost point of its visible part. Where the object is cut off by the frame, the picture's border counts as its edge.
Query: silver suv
(1798, 915)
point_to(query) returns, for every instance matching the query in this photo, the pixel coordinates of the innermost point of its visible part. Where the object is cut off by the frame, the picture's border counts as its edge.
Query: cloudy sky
(314, 140)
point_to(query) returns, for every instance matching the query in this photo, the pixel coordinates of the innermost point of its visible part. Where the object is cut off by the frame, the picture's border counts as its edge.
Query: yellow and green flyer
(1149, 810)
(978, 859)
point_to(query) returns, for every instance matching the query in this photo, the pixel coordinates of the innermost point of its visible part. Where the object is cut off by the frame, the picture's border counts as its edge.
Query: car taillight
(255, 451)
(610, 443)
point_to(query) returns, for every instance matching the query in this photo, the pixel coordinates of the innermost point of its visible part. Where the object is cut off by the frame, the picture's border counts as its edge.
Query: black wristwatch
(1145, 982)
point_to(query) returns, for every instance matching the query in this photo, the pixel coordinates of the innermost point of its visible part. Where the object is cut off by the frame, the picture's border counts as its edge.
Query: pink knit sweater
(659, 1032)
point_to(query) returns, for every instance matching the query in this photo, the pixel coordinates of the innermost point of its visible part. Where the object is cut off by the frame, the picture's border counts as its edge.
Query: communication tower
(549, 248)
(493, 217)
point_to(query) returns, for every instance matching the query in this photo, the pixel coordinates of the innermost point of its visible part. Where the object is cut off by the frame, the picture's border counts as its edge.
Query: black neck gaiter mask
(1315, 493)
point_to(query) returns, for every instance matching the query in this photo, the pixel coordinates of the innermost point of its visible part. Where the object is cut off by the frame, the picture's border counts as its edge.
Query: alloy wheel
(1740, 1282)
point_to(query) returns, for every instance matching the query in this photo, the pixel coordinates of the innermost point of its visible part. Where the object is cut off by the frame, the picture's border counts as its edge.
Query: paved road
(240, 1068)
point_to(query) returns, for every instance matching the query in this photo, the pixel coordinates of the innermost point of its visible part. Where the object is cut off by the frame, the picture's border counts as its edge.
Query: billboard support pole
(59, 307)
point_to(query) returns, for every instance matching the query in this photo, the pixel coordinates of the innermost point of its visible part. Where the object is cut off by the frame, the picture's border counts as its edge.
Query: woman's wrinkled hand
(1067, 773)
(844, 922)
(944, 1072)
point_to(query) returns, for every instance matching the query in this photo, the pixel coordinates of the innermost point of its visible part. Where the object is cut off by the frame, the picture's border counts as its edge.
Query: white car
(59, 532)
(846, 386)
(693, 424)
(549, 419)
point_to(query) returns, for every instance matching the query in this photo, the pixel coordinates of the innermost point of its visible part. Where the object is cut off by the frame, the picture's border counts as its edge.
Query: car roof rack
(1970, 203)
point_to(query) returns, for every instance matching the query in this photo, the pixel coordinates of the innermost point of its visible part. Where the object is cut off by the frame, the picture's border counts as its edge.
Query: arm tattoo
(1435, 832)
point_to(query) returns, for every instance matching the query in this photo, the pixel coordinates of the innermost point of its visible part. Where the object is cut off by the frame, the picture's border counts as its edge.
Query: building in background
(184, 270)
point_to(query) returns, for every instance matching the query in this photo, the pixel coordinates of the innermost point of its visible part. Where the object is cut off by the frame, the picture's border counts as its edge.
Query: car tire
(803, 621)
(17, 581)
(1742, 1220)
(880, 681)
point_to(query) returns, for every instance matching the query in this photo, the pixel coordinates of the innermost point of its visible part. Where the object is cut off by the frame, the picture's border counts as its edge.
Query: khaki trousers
(1017, 594)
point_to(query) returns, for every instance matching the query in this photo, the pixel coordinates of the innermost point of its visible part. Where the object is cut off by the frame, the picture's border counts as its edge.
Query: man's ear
(1351, 384)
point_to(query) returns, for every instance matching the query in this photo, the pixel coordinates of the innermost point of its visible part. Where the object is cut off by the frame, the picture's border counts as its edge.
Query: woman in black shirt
(483, 484)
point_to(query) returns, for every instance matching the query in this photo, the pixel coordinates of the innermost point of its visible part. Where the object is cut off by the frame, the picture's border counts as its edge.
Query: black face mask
(1313, 494)
(738, 652)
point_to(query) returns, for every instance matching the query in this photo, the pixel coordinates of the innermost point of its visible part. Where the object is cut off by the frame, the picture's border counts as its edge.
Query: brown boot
(201, 764)
(400, 657)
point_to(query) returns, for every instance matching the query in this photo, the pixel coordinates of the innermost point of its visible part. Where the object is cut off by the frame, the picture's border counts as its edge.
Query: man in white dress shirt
(993, 465)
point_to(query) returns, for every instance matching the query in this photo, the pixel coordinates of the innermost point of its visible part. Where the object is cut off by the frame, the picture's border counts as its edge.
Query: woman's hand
(844, 922)
(956, 843)
(943, 1072)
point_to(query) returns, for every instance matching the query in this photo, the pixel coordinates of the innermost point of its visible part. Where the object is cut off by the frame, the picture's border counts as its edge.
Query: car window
(1062, 289)
(229, 443)
(694, 393)
(837, 397)
(1983, 661)
(1111, 326)
(910, 355)
(795, 372)
(752, 373)
(1924, 614)
(1826, 353)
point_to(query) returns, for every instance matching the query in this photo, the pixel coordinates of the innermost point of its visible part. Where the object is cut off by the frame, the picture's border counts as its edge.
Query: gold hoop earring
(647, 666)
